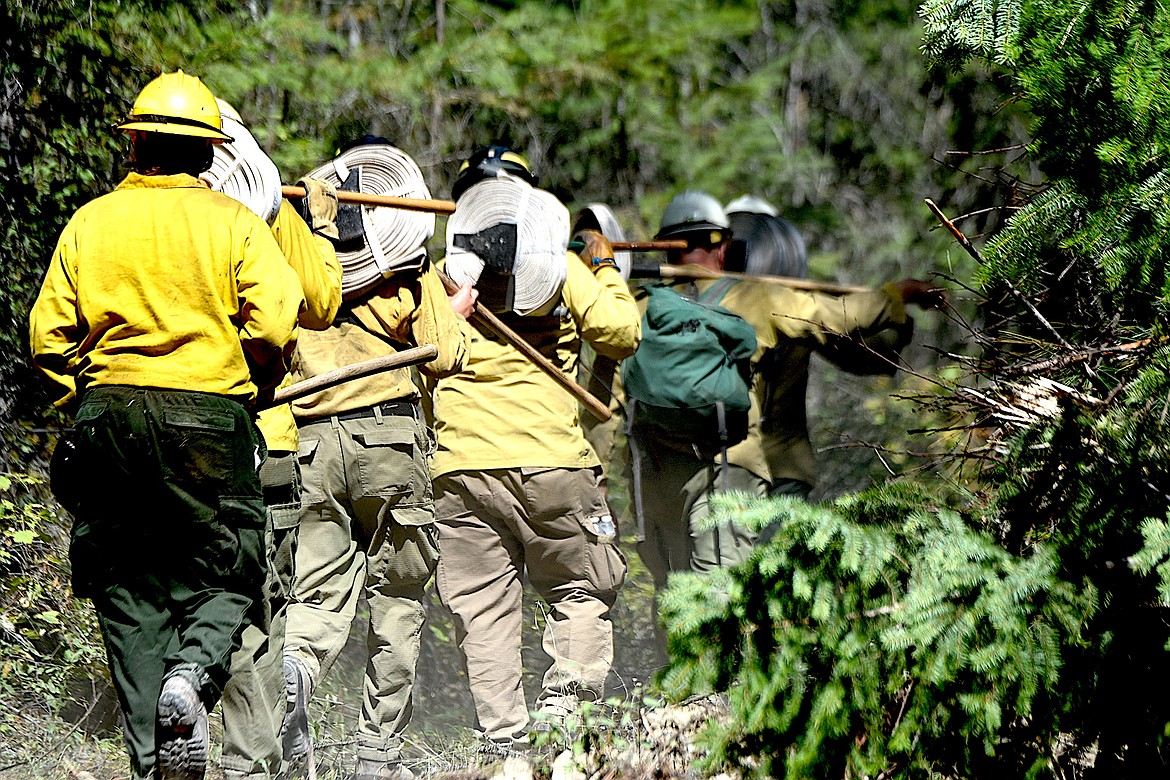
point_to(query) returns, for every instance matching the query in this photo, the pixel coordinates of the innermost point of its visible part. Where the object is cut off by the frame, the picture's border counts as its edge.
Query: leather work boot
(381, 770)
(295, 740)
(181, 731)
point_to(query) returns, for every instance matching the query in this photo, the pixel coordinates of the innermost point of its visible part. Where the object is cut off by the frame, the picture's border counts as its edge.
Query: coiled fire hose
(240, 169)
(393, 238)
(509, 239)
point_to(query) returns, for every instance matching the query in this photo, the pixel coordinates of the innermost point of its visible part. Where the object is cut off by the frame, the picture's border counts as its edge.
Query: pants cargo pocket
(280, 477)
(386, 457)
(237, 544)
(312, 489)
(605, 563)
(199, 450)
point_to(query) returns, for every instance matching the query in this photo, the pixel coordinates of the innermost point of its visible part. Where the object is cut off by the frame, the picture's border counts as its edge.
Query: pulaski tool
(496, 245)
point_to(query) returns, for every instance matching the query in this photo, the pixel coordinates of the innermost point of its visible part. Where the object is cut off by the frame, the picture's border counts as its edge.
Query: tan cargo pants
(554, 523)
(367, 527)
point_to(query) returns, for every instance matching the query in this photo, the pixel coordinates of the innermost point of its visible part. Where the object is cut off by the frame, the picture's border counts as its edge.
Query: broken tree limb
(407, 357)
(954, 231)
(700, 272)
(1019, 296)
(389, 201)
(481, 316)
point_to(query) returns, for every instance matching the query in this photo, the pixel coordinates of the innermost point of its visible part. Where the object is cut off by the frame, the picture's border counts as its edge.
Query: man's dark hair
(161, 154)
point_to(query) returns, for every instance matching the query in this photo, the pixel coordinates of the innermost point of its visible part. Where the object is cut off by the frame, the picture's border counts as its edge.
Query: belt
(391, 408)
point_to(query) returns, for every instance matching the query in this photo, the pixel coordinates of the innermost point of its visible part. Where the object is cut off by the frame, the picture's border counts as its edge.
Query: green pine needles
(1011, 620)
(879, 634)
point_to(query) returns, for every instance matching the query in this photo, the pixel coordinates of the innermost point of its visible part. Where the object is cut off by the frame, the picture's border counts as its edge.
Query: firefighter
(167, 309)
(789, 325)
(367, 517)
(254, 701)
(517, 491)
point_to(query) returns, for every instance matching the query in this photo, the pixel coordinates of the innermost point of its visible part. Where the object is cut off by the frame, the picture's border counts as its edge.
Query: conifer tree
(1013, 622)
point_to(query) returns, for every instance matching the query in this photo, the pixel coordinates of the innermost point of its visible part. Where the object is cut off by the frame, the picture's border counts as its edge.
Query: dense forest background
(1051, 113)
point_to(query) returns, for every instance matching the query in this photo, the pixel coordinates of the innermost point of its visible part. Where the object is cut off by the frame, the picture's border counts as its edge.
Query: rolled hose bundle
(240, 169)
(600, 217)
(393, 238)
(536, 264)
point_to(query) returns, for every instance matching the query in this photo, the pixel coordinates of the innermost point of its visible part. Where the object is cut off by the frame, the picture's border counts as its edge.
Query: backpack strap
(636, 467)
(721, 413)
(714, 294)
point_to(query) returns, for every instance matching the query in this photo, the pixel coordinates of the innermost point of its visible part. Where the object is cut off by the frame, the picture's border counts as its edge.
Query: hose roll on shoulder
(380, 241)
(600, 217)
(510, 240)
(240, 169)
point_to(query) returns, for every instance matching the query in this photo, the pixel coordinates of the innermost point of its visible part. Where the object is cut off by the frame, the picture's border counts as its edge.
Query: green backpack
(688, 385)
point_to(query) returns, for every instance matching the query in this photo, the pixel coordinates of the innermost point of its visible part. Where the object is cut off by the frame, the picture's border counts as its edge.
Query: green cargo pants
(253, 703)
(367, 527)
(167, 539)
(676, 501)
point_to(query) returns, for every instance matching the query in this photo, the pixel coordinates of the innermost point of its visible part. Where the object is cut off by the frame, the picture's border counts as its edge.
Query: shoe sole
(296, 741)
(182, 740)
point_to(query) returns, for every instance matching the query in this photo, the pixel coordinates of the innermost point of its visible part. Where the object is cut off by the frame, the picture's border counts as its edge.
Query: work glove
(597, 253)
(319, 207)
(921, 293)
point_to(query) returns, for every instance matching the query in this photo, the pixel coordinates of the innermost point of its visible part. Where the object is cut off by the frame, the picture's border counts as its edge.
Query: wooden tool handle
(648, 246)
(700, 272)
(407, 357)
(481, 316)
(367, 199)
(636, 246)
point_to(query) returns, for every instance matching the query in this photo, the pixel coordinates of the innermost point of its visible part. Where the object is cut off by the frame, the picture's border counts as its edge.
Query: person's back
(502, 411)
(166, 308)
(790, 326)
(157, 265)
(517, 491)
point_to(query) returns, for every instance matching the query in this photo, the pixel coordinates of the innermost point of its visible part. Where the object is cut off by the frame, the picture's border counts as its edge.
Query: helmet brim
(172, 128)
(687, 228)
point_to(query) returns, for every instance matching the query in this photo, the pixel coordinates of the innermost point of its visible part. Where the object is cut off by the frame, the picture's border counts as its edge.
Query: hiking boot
(295, 740)
(181, 731)
(381, 770)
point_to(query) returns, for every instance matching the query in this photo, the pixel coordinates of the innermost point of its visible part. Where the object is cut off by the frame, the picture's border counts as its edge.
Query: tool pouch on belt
(280, 479)
(64, 476)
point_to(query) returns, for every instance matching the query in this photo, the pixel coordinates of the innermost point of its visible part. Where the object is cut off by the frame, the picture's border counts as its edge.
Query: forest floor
(656, 742)
(634, 734)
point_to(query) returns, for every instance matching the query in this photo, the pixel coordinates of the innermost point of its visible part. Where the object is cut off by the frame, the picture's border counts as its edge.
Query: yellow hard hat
(176, 104)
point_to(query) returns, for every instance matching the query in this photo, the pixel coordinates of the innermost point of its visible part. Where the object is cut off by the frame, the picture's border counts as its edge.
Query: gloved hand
(597, 252)
(920, 293)
(319, 207)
